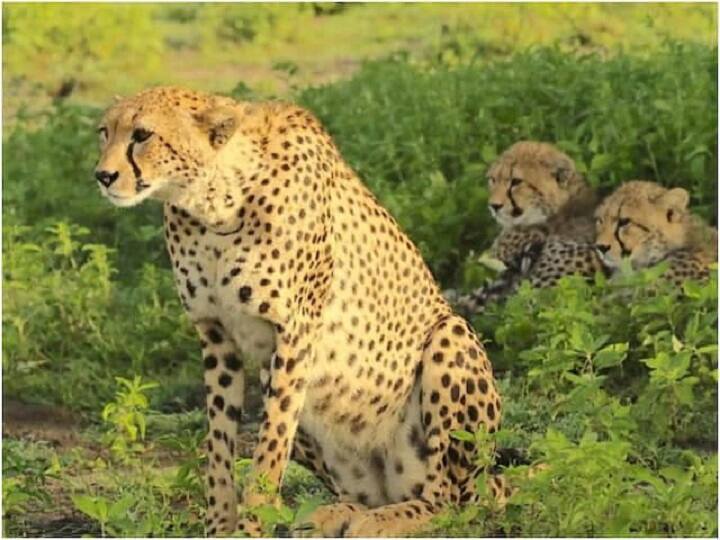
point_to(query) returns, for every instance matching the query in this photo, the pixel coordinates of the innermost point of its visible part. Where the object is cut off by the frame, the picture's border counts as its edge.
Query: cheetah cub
(545, 208)
(282, 255)
(647, 224)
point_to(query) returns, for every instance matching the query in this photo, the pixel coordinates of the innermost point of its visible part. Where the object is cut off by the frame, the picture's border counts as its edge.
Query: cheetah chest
(207, 271)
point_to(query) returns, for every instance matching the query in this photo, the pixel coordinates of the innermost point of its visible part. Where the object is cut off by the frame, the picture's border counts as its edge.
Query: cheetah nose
(106, 178)
(602, 248)
(495, 207)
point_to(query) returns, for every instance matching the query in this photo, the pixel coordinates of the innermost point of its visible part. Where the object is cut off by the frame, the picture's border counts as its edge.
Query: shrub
(423, 139)
(69, 326)
(102, 42)
(625, 373)
(631, 355)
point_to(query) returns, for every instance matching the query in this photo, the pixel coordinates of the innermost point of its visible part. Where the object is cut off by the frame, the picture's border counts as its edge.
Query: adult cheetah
(281, 254)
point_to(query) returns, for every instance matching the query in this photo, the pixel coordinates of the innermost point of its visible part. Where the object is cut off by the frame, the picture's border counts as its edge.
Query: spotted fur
(533, 256)
(534, 183)
(282, 256)
(647, 223)
(545, 208)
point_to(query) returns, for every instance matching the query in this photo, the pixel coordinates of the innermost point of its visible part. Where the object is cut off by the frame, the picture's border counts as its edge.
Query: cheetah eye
(515, 182)
(141, 135)
(622, 222)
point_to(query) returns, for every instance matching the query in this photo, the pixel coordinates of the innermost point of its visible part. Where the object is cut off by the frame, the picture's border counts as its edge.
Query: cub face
(158, 142)
(529, 183)
(641, 221)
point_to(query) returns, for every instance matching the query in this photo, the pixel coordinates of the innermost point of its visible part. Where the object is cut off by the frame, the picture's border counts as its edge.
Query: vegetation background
(612, 384)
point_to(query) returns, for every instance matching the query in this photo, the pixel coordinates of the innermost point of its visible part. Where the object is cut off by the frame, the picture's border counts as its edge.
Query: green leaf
(120, 507)
(87, 505)
(461, 435)
(488, 153)
(601, 162)
(268, 514)
(611, 356)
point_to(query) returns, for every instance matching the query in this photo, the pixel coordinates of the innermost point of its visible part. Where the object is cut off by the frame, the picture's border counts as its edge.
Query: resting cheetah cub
(648, 223)
(280, 253)
(544, 207)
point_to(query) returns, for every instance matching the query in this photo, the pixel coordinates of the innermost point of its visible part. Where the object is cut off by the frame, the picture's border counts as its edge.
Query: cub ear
(675, 201)
(218, 123)
(563, 171)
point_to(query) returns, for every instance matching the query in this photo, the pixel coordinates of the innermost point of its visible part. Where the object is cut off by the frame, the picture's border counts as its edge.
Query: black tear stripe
(624, 252)
(512, 201)
(136, 170)
(515, 208)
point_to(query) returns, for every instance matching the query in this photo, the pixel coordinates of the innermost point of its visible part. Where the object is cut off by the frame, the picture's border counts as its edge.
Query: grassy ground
(113, 49)
(623, 402)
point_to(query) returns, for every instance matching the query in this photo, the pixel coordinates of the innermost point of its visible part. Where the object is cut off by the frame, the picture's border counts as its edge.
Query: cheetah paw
(249, 527)
(331, 520)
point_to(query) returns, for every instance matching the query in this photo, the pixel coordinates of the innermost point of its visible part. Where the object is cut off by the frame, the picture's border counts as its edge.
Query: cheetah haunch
(281, 254)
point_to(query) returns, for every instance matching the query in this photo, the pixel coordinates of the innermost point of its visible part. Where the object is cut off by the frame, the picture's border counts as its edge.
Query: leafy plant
(126, 417)
(282, 517)
(112, 516)
(25, 472)
(64, 310)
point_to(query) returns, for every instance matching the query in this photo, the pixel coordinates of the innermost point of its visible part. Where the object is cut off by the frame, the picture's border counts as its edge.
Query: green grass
(612, 384)
(110, 49)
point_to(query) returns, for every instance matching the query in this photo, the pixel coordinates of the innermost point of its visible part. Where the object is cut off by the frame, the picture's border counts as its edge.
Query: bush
(631, 354)
(612, 387)
(69, 327)
(422, 140)
(102, 41)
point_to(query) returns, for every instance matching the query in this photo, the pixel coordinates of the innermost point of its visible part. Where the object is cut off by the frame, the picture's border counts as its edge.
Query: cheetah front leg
(224, 386)
(284, 399)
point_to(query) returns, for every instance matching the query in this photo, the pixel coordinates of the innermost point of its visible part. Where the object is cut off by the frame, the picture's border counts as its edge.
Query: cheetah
(545, 208)
(534, 183)
(283, 257)
(530, 254)
(647, 223)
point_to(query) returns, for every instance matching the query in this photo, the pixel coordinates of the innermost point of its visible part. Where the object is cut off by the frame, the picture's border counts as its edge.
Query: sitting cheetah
(544, 207)
(647, 224)
(281, 254)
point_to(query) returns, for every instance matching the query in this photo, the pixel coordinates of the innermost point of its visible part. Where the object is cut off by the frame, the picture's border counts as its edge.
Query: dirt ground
(64, 431)
(55, 425)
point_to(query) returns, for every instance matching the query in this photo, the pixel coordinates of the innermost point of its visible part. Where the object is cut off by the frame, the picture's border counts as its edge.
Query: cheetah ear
(563, 171)
(219, 124)
(675, 201)
(117, 97)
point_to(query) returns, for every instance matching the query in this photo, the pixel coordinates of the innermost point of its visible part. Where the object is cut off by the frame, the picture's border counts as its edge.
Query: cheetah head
(530, 182)
(643, 222)
(160, 141)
